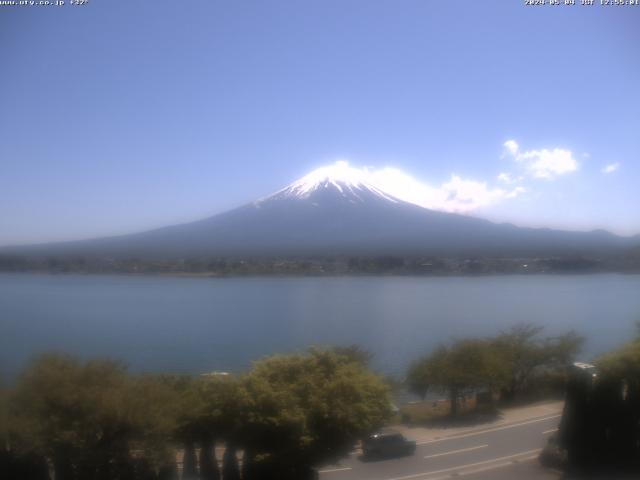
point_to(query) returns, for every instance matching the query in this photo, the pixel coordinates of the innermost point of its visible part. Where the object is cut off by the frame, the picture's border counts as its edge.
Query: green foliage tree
(230, 467)
(526, 353)
(188, 407)
(523, 353)
(418, 377)
(87, 417)
(4, 416)
(208, 409)
(458, 368)
(94, 421)
(303, 410)
(222, 398)
(600, 427)
(622, 364)
(354, 353)
(619, 374)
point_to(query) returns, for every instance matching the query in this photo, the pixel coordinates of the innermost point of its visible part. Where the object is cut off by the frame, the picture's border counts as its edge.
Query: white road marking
(495, 466)
(455, 451)
(462, 467)
(550, 431)
(474, 429)
(480, 432)
(331, 470)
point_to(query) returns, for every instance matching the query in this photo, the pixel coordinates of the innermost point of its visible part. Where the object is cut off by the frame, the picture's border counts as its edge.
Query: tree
(354, 353)
(94, 421)
(222, 399)
(418, 379)
(458, 368)
(230, 468)
(4, 416)
(623, 365)
(307, 409)
(27, 465)
(526, 353)
(523, 353)
(208, 409)
(86, 417)
(189, 408)
(600, 427)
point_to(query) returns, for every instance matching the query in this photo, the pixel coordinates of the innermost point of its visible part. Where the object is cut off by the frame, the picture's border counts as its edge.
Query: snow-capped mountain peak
(345, 180)
(340, 175)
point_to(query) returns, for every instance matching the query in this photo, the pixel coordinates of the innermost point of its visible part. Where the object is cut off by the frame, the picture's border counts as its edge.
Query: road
(491, 452)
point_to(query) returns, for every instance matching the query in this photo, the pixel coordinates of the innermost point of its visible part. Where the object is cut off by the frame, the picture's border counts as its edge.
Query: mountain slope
(334, 211)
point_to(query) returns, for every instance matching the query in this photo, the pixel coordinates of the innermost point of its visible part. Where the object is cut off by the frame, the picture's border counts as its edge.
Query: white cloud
(511, 147)
(466, 195)
(612, 167)
(509, 178)
(515, 192)
(505, 178)
(456, 195)
(548, 164)
(462, 195)
(544, 164)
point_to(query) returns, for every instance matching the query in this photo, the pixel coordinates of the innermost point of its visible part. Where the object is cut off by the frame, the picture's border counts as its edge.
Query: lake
(200, 324)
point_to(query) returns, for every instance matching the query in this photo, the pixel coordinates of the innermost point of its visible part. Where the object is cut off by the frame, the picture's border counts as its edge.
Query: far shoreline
(210, 276)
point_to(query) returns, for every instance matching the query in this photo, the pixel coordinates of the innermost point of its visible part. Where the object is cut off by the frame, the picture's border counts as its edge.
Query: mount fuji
(335, 210)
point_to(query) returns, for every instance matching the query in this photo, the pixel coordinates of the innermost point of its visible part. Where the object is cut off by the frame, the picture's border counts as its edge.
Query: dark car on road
(387, 444)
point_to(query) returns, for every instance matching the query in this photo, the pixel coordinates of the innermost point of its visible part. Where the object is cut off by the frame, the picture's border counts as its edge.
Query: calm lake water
(198, 325)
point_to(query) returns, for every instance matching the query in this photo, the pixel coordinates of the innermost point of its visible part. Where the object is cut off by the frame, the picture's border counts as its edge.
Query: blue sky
(120, 116)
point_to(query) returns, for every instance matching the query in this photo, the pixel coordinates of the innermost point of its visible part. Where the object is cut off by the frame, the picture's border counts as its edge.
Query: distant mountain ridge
(335, 211)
